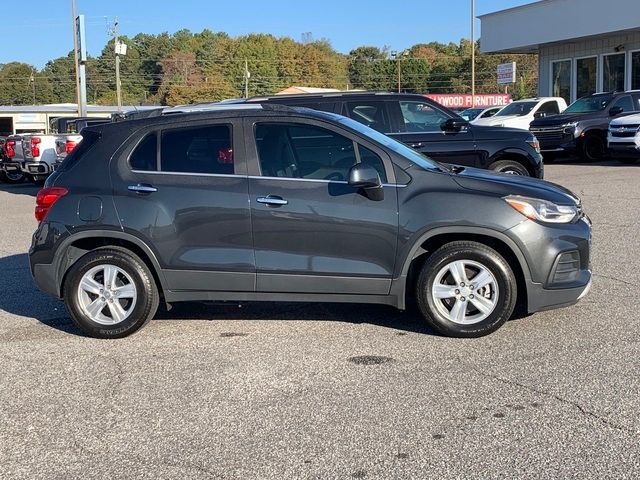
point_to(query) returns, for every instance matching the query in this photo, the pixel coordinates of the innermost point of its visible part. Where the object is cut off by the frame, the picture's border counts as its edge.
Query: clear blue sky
(43, 30)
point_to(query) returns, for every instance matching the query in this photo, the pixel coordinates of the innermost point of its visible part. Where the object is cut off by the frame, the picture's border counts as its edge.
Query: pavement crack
(584, 411)
(614, 279)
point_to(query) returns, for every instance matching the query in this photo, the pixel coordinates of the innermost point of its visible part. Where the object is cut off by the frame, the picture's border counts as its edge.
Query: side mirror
(613, 111)
(364, 176)
(453, 125)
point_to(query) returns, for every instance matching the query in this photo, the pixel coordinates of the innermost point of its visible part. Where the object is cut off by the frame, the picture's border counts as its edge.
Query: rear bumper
(10, 167)
(44, 274)
(36, 168)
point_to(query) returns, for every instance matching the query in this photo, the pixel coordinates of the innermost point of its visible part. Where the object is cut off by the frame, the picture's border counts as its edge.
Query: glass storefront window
(561, 79)
(613, 72)
(635, 71)
(586, 76)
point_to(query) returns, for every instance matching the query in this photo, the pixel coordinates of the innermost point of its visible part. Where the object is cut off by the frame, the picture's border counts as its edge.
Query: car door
(420, 127)
(312, 232)
(184, 191)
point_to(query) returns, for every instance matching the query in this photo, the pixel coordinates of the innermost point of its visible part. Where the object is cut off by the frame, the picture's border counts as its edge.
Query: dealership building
(584, 46)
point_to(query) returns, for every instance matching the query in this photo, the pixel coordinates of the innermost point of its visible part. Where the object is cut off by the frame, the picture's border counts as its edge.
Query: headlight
(534, 143)
(542, 210)
(569, 127)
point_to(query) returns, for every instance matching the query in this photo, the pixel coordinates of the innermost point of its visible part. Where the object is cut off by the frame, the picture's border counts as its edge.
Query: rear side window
(197, 150)
(89, 139)
(144, 157)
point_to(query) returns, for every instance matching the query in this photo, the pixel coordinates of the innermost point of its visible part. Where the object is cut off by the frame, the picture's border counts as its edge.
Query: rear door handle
(272, 200)
(142, 188)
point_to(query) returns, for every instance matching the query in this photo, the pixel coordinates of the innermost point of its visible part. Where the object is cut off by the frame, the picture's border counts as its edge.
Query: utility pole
(473, 54)
(246, 78)
(117, 52)
(75, 55)
(32, 81)
(399, 75)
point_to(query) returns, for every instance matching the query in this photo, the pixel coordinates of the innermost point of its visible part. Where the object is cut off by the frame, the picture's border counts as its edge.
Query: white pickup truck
(624, 139)
(521, 113)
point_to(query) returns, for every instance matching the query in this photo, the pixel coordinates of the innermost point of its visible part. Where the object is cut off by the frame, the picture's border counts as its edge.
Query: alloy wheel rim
(465, 292)
(107, 294)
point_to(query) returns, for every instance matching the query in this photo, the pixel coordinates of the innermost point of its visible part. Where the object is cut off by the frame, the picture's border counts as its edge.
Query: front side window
(625, 103)
(518, 109)
(549, 108)
(586, 76)
(613, 72)
(205, 149)
(144, 156)
(291, 150)
(371, 114)
(421, 117)
(561, 79)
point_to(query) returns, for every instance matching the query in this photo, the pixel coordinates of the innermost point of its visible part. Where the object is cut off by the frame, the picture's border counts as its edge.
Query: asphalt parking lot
(329, 391)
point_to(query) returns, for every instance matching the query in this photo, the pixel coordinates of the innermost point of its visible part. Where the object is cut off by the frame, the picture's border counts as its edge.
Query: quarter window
(310, 152)
(421, 117)
(197, 150)
(144, 157)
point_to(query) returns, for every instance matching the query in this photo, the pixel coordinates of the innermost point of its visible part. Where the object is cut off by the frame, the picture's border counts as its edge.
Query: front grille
(552, 136)
(566, 268)
(624, 131)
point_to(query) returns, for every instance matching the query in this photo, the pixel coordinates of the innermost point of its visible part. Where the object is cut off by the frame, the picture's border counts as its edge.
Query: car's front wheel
(110, 293)
(466, 289)
(510, 167)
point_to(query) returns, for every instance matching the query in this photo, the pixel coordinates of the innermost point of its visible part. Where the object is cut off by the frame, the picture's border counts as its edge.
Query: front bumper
(624, 150)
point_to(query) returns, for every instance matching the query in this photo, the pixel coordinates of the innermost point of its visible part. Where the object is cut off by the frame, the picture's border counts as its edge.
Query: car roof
(327, 96)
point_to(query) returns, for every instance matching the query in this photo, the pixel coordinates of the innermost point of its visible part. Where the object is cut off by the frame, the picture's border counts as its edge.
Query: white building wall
(583, 48)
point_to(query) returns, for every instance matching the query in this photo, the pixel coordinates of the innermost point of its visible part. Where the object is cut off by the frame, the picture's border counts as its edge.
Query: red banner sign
(462, 100)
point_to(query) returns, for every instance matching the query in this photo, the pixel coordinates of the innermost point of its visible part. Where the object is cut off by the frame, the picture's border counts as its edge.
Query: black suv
(582, 128)
(429, 128)
(251, 202)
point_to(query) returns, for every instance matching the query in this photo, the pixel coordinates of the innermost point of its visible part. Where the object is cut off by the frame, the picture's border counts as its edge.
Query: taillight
(10, 148)
(45, 200)
(69, 146)
(35, 146)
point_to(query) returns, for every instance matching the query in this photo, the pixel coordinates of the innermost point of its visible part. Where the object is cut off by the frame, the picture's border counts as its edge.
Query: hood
(626, 120)
(496, 120)
(563, 118)
(503, 184)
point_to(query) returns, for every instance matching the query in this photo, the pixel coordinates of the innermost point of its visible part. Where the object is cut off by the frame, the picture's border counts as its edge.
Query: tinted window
(595, 103)
(625, 103)
(421, 117)
(516, 108)
(550, 108)
(306, 151)
(197, 150)
(144, 157)
(371, 114)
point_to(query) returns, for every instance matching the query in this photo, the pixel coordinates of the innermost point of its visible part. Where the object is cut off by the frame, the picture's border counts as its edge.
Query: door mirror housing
(364, 176)
(613, 111)
(454, 125)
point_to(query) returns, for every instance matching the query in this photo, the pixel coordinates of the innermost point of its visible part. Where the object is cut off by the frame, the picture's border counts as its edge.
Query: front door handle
(142, 188)
(272, 200)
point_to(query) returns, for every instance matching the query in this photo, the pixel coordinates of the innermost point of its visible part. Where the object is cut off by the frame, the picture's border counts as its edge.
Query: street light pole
(75, 55)
(473, 54)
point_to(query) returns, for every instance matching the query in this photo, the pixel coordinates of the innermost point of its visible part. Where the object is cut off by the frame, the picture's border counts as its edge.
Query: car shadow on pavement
(606, 162)
(26, 188)
(21, 297)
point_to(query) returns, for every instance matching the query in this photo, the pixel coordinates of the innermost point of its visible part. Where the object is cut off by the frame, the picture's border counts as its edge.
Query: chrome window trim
(189, 174)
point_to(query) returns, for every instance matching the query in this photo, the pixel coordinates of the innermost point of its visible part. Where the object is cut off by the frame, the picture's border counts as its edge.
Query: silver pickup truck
(12, 160)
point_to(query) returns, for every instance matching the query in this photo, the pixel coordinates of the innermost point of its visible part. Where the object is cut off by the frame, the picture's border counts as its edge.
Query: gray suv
(267, 202)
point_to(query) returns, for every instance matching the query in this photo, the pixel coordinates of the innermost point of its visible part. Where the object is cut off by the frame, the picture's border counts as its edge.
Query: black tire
(12, 178)
(147, 292)
(492, 261)
(592, 148)
(511, 167)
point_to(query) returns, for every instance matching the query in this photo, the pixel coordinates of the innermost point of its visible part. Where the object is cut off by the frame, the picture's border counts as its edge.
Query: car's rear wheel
(510, 167)
(110, 293)
(592, 148)
(466, 289)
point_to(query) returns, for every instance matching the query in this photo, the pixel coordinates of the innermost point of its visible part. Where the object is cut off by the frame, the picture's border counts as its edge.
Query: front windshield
(471, 113)
(590, 104)
(518, 109)
(398, 147)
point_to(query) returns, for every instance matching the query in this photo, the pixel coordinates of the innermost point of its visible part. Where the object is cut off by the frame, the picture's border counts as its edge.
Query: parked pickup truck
(520, 114)
(624, 139)
(12, 160)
